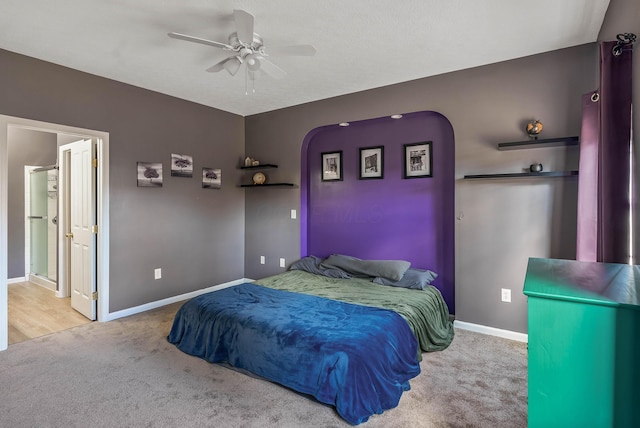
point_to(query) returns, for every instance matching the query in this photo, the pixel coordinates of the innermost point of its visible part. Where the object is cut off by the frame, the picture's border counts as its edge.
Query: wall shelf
(523, 175)
(265, 166)
(269, 185)
(261, 166)
(533, 144)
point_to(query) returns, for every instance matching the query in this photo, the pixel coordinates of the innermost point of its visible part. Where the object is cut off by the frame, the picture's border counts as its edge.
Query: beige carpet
(125, 374)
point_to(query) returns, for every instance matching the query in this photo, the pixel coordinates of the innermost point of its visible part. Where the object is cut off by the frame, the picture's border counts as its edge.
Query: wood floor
(35, 311)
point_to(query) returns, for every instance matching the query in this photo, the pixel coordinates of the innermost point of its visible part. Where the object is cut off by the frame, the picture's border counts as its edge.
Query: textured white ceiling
(361, 44)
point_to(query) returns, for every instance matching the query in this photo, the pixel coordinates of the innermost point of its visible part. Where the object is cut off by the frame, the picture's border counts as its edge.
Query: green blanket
(425, 310)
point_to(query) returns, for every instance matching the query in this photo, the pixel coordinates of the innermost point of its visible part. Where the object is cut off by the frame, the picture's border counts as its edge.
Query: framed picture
(181, 165)
(149, 174)
(417, 160)
(371, 162)
(332, 166)
(211, 178)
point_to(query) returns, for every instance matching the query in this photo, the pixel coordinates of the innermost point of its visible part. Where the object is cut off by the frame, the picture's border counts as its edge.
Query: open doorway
(39, 304)
(35, 306)
(61, 135)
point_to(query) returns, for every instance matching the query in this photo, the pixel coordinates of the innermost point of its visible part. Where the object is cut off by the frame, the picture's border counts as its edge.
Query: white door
(82, 218)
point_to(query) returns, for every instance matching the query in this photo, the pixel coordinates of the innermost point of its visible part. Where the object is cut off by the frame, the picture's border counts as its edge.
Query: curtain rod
(624, 40)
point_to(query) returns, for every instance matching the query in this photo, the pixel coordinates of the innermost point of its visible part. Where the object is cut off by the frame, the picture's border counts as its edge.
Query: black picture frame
(211, 178)
(331, 166)
(372, 163)
(418, 160)
(181, 165)
(149, 174)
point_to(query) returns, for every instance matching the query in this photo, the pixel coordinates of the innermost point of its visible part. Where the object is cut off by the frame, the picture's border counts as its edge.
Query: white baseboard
(16, 280)
(164, 302)
(42, 282)
(506, 334)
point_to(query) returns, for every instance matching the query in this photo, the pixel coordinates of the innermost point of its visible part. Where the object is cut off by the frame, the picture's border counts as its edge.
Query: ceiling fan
(247, 48)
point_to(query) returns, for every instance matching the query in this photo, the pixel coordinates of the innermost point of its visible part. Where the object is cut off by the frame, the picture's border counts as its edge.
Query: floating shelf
(524, 175)
(265, 166)
(533, 144)
(261, 166)
(269, 185)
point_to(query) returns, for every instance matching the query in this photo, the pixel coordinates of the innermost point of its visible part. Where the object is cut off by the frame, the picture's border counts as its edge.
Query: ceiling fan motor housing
(256, 44)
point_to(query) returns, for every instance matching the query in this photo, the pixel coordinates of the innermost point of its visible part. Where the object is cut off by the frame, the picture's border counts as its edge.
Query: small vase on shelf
(535, 167)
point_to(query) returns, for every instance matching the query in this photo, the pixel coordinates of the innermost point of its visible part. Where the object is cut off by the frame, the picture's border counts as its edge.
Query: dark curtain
(604, 205)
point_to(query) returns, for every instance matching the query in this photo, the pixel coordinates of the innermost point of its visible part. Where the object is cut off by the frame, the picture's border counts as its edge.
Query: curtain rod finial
(624, 40)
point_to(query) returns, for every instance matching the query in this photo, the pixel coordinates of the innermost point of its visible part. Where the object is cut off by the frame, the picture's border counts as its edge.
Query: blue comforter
(356, 358)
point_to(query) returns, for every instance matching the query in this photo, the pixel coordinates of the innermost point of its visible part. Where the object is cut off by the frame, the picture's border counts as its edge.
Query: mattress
(424, 310)
(356, 358)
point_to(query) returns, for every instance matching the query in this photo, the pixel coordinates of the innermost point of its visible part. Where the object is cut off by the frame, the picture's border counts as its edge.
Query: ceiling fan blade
(244, 26)
(199, 40)
(219, 66)
(271, 69)
(232, 65)
(293, 50)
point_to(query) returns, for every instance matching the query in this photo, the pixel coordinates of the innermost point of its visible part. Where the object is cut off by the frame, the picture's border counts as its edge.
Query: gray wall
(504, 222)
(25, 147)
(195, 235)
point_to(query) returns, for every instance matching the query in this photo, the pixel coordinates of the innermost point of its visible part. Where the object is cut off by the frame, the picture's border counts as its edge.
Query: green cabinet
(584, 344)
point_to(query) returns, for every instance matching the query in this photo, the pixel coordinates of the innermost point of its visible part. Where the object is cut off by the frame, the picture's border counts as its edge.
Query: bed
(305, 331)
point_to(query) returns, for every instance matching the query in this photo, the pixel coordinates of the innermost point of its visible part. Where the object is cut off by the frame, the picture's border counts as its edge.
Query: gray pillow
(311, 264)
(390, 269)
(416, 279)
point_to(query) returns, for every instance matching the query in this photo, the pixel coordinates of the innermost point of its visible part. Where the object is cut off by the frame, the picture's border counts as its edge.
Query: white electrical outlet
(506, 295)
(157, 273)
(282, 263)
(294, 214)
(262, 261)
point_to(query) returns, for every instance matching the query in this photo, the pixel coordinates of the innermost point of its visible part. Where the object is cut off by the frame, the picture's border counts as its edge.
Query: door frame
(102, 194)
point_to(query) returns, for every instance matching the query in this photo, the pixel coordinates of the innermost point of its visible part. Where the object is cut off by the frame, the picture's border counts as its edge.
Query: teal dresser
(584, 344)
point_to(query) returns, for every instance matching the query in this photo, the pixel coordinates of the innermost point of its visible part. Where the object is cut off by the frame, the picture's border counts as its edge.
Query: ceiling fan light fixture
(253, 63)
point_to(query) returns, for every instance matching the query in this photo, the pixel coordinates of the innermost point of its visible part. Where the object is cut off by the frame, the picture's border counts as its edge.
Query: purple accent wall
(390, 218)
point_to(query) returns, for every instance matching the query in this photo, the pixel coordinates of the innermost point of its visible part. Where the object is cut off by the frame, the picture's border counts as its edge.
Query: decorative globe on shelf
(534, 128)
